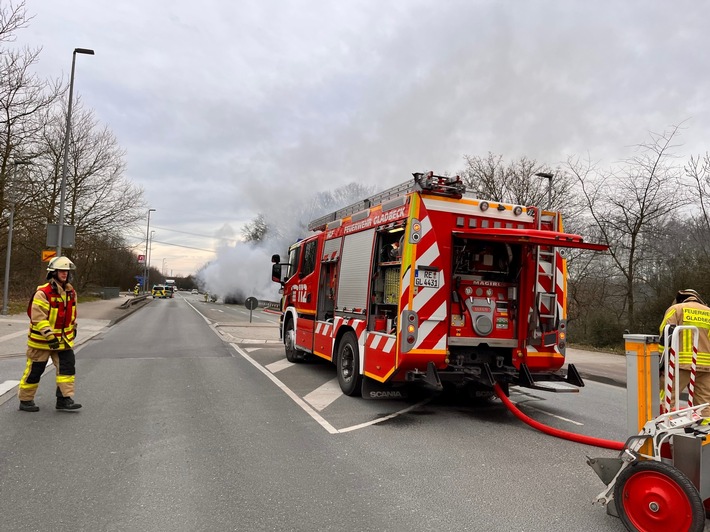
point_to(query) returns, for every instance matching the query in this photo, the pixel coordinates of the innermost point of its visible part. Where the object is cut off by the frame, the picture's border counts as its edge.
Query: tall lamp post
(145, 257)
(150, 252)
(67, 134)
(8, 254)
(548, 176)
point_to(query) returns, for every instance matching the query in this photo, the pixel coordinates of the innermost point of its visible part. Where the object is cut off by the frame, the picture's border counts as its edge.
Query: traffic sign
(48, 254)
(251, 303)
(141, 259)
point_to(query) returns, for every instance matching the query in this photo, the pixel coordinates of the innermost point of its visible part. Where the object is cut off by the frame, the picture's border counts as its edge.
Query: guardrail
(133, 300)
(269, 304)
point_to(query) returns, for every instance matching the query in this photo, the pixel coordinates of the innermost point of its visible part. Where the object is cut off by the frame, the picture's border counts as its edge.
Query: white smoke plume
(244, 270)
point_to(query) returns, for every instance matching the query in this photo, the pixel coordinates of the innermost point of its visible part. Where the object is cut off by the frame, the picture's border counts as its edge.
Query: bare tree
(24, 97)
(631, 206)
(100, 199)
(697, 170)
(256, 230)
(516, 182)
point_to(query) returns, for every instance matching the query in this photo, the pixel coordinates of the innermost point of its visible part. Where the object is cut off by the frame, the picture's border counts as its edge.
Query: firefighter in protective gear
(52, 313)
(136, 289)
(688, 308)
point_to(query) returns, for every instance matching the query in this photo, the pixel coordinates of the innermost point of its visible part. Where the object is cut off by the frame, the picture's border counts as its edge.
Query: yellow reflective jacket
(698, 315)
(52, 313)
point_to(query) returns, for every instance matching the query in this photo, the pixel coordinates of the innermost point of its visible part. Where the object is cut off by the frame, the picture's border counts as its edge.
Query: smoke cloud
(244, 270)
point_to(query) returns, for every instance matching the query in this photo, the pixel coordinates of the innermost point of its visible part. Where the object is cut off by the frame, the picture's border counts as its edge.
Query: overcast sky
(228, 109)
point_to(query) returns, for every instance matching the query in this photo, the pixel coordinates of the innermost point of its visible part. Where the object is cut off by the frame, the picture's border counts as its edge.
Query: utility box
(110, 292)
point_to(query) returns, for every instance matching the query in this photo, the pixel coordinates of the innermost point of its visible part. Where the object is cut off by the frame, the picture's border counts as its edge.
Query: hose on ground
(571, 436)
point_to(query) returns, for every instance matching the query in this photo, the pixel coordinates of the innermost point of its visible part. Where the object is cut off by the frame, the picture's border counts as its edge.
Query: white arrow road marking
(324, 395)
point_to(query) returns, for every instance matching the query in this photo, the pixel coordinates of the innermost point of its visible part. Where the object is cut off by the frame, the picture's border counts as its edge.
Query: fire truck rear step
(552, 383)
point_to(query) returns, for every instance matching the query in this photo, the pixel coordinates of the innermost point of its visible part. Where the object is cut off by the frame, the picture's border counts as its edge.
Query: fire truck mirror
(275, 259)
(276, 273)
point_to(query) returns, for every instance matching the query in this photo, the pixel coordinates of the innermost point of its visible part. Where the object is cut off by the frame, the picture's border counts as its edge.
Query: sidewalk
(596, 366)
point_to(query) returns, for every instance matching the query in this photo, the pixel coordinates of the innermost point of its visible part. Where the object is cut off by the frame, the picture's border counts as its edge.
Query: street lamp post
(67, 134)
(163, 269)
(150, 252)
(8, 254)
(548, 176)
(145, 257)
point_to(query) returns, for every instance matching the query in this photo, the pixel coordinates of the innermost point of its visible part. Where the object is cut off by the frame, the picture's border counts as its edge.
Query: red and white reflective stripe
(560, 288)
(670, 377)
(324, 328)
(691, 384)
(381, 342)
(672, 384)
(356, 323)
(430, 303)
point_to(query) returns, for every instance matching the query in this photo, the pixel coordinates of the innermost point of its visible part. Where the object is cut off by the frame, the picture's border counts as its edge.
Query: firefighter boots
(29, 406)
(67, 403)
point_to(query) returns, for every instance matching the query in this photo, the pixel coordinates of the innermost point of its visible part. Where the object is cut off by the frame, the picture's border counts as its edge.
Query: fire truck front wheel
(292, 354)
(348, 365)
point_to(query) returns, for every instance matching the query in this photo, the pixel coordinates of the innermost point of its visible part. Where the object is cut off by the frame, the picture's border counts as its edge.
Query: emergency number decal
(428, 278)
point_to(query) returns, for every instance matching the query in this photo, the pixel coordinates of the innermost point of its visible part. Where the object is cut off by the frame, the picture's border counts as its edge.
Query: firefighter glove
(54, 343)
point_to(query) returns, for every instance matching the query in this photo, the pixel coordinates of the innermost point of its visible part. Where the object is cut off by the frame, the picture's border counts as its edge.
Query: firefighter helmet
(59, 263)
(688, 294)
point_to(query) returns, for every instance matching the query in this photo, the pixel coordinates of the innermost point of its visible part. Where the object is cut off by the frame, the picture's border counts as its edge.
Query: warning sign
(48, 254)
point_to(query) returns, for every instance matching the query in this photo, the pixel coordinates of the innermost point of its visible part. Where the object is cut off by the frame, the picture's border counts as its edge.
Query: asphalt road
(193, 421)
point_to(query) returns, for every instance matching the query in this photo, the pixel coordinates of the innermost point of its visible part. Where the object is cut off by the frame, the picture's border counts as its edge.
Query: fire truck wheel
(348, 365)
(653, 496)
(292, 354)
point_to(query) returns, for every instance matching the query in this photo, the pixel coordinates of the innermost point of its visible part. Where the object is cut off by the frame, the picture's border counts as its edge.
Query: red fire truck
(421, 284)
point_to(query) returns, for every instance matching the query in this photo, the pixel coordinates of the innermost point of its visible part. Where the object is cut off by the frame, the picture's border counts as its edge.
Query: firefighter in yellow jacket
(52, 313)
(688, 308)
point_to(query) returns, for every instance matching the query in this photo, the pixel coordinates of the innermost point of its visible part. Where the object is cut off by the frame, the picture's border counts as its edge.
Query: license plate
(426, 278)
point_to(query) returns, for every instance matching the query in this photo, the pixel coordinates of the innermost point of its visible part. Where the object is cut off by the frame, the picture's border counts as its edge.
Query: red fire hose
(588, 440)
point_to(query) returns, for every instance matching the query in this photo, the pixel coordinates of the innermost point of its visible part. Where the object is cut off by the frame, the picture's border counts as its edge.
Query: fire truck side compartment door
(355, 271)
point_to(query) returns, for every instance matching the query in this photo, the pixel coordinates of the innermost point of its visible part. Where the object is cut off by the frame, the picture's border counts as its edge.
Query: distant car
(194, 291)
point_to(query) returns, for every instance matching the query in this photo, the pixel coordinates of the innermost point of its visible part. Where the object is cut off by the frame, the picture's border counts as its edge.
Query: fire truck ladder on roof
(546, 274)
(448, 186)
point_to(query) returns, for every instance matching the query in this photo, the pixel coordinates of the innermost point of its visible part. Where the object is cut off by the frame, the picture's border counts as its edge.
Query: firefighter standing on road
(52, 313)
(688, 308)
(136, 289)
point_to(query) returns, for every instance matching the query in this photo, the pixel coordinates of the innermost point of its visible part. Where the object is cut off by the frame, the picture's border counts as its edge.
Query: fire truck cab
(421, 284)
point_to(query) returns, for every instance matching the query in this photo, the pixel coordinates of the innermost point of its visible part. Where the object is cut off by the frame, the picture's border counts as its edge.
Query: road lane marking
(277, 366)
(310, 411)
(7, 386)
(525, 405)
(380, 420)
(13, 335)
(295, 398)
(324, 395)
